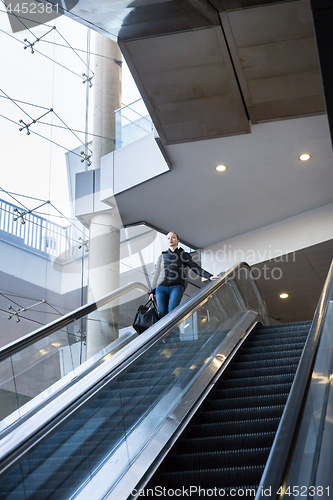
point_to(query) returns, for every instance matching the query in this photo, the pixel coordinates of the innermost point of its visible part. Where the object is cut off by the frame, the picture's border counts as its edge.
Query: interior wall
(270, 242)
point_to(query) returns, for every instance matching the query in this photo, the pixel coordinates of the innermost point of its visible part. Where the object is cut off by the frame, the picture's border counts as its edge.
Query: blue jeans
(168, 297)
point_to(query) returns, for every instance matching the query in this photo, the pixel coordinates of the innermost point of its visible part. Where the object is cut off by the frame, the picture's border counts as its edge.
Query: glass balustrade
(138, 393)
(151, 387)
(60, 355)
(131, 397)
(132, 123)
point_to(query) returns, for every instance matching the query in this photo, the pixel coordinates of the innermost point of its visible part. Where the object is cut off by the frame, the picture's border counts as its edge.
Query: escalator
(227, 443)
(197, 401)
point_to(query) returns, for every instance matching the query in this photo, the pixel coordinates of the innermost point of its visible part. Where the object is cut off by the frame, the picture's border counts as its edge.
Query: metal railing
(35, 232)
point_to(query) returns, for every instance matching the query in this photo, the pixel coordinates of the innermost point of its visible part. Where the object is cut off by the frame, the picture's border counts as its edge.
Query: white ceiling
(265, 182)
(303, 276)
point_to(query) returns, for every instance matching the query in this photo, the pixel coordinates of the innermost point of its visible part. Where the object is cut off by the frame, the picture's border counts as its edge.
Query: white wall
(29, 266)
(269, 242)
(131, 165)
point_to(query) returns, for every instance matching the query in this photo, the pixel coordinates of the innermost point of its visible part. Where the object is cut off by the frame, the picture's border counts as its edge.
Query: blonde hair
(175, 234)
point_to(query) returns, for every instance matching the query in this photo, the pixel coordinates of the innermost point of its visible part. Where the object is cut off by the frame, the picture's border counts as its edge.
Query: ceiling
(208, 69)
(219, 68)
(246, 83)
(265, 182)
(300, 274)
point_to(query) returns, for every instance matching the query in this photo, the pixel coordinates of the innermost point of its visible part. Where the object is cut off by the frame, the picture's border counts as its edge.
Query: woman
(169, 281)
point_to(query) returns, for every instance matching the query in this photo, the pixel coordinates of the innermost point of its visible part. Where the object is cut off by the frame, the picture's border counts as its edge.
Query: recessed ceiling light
(221, 168)
(284, 295)
(304, 157)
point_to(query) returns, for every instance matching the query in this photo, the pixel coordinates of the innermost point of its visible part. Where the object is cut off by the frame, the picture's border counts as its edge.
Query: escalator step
(217, 459)
(240, 414)
(213, 478)
(229, 442)
(271, 348)
(241, 392)
(299, 325)
(253, 356)
(247, 402)
(274, 362)
(263, 371)
(266, 342)
(253, 381)
(229, 428)
(279, 336)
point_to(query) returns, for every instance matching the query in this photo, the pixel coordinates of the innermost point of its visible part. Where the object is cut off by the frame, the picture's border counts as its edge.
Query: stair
(226, 444)
(228, 440)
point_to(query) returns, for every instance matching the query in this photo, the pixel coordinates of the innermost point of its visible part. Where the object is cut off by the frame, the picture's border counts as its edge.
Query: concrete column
(104, 236)
(107, 96)
(104, 250)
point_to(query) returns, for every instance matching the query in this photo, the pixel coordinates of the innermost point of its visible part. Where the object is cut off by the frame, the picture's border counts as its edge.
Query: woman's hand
(151, 296)
(214, 277)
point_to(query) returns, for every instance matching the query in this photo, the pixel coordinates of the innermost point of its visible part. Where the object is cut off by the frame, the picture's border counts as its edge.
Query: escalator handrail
(42, 332)
(18, 440)
(277, 463)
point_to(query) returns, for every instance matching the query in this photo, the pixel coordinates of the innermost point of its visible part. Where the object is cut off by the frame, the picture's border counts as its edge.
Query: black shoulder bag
(146, 316)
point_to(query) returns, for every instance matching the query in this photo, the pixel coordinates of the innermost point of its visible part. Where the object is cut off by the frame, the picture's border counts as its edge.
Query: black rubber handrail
(277, 463)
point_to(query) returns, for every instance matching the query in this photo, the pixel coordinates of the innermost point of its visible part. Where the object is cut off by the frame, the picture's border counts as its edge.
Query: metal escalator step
(49, 476)
(264, 371)
(255, 343)
(215, 478)
(241, 414)
(298, 325)
(271, 348)
(13, 483)
(212, 429)
(241, 392)
(281, 328)
(279, 335)
(254, 356)
(229, 442)
(217, 459)
(139, 383)
(275, 362)
(253, 381)
(246, 402)
(128, 392)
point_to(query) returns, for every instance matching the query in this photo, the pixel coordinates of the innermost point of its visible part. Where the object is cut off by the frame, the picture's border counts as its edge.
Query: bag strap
(152, 303)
